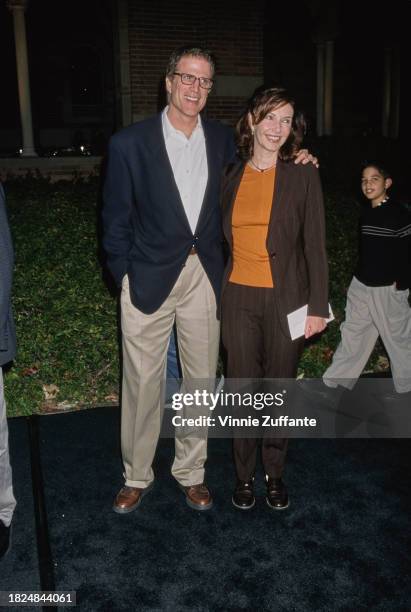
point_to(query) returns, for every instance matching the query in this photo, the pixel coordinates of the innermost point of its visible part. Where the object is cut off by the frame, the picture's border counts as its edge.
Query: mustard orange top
(251, 215)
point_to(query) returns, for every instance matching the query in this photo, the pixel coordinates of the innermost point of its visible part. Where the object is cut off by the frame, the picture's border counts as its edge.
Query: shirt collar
(170, 130)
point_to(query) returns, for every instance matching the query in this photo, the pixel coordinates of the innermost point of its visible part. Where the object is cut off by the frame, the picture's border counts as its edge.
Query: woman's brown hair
(263, 101)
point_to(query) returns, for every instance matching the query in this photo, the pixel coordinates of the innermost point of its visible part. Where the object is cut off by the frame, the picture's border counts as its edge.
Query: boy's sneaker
(319, 391)
(395, 398)
(4, 539)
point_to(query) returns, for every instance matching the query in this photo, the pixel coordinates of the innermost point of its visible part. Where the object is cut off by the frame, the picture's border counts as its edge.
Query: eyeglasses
(190, 79)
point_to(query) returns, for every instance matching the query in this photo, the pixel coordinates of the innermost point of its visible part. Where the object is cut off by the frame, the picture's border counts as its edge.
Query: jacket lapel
(231, 183)
(213, 153)
(164, 171)
(279, 197)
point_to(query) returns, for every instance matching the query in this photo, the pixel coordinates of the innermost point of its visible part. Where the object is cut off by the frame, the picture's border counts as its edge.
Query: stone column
(391, 93)
(18, 7)
(386, 102)
(320, 89)
(395, 96)
(122, 64)
(325, 79)
(328, 87)
(324, 28)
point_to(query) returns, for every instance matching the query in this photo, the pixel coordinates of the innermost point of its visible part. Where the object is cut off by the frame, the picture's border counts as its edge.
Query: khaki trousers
(145, 339)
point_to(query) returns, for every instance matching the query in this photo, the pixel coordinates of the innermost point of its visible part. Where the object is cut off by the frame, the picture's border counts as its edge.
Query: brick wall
(233, 31)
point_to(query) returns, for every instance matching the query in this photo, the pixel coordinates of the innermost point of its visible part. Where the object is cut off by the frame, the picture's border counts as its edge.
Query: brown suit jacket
(295, 239)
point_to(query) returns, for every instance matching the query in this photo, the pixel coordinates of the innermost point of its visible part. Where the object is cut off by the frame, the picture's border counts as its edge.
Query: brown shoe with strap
(129, 498)
(198, 496)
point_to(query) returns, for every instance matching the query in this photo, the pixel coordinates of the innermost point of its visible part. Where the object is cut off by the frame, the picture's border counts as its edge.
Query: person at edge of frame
(377, 298)
(7, 354)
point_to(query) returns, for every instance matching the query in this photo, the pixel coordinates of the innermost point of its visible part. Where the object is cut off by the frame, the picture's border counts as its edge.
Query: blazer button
(273, 255)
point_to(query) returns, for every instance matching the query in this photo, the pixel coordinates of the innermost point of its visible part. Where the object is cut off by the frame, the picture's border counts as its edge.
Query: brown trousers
(257, 348)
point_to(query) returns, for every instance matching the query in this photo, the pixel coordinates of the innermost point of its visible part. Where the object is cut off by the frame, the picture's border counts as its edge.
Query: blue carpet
(344, 543)
(19, 569)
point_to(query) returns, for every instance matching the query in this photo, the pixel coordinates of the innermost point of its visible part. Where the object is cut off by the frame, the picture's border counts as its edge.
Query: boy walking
(377, 299)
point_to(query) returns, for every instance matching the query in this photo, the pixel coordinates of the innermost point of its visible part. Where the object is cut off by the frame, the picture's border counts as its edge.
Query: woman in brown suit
(273, 222)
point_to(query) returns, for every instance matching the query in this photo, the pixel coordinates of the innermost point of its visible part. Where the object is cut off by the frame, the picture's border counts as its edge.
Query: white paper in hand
(296, 321)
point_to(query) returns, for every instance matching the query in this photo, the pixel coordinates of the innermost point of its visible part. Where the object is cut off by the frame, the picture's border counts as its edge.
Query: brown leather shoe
(198, 496)
(129, 498)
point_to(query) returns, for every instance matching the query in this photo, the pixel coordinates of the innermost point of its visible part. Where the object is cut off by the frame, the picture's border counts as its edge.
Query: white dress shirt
(188, 160)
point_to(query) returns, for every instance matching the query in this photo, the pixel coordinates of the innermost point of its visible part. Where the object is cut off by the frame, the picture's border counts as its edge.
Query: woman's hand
(304, 157)
(314, 325)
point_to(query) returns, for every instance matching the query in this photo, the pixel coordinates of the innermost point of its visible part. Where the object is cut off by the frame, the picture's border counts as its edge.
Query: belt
(193, 251)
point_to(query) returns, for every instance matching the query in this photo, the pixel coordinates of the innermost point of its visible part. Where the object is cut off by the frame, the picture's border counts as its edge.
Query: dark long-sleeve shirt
(385, 246)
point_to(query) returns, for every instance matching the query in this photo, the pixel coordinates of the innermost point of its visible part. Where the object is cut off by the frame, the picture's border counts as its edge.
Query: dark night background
(362, 30)
(70, 54)
(70, 48)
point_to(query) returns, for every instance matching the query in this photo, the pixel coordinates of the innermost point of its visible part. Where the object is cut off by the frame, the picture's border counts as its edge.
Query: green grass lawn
(66, 318)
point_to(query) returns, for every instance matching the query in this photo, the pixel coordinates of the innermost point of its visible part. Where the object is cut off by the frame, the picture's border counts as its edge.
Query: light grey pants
(371, 312)
(7, 501)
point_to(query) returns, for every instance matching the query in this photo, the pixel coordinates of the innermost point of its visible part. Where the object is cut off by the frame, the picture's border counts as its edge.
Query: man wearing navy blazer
(163, 240)
(7, 352)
